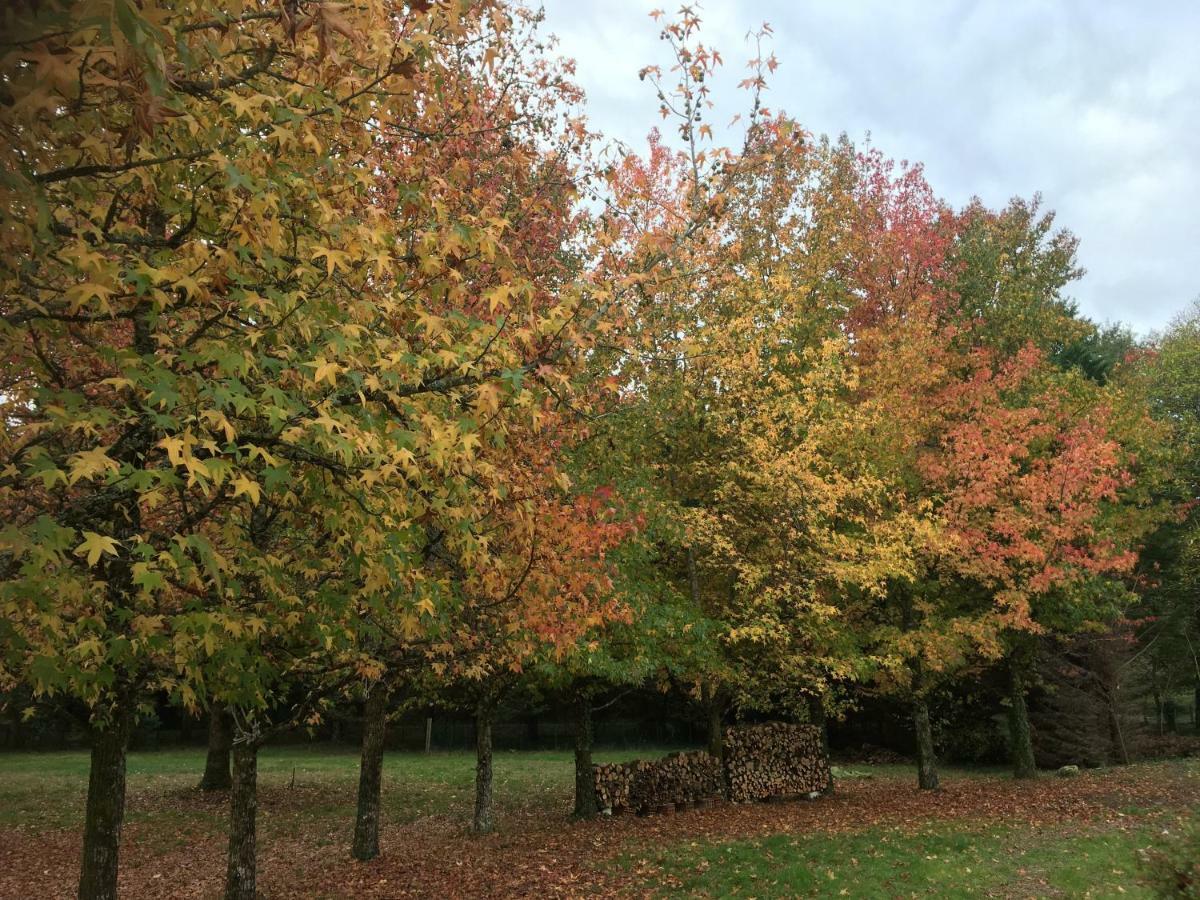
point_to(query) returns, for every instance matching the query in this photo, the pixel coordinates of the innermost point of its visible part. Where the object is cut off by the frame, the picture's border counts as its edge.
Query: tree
(198, 357)
(1169, 613)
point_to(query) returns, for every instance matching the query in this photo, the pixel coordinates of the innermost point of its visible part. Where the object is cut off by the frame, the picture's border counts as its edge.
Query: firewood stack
(680, 779)
(613, 784)
(774, 760)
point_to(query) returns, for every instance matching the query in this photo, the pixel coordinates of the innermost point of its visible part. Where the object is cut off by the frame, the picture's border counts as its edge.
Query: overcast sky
(1095, 104)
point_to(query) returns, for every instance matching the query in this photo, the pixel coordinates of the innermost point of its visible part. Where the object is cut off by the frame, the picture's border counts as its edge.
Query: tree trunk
(586, 804)
(105, 807)
(482, 823)
(818, 717)
(1020, 734)
(370, 772)
(1115, 732)
(714, 710)
(1196, 709)
(927, 776)
(220, 740)
(1170, 716)
(241, 870)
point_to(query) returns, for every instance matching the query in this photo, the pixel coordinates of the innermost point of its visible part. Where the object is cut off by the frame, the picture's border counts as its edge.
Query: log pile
(613, 784)
(762, 762)
(679, 780)
(774, 760)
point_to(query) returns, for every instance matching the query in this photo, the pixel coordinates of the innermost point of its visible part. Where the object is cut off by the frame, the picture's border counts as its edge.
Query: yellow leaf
(333, 258)
(244, 485)
(89, 463)
(94, 545)
(174, 447)
(326, 370)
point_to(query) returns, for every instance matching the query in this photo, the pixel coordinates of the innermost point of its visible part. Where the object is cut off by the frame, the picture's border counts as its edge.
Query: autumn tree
(547, 583)
(499, 200)
(227, 373)
(668, 213)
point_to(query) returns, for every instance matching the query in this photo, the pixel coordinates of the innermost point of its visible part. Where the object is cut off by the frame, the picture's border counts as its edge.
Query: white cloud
(1095, 103)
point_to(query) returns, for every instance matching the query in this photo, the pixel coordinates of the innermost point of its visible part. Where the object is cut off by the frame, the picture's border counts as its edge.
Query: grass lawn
(877, 836)
(926, 862)
(48, 790)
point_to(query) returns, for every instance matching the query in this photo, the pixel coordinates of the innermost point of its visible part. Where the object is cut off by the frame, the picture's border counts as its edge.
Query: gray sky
(1094, 103)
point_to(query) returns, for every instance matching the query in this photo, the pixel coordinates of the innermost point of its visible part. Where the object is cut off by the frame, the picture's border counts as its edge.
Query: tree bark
(105, 812)
(818, 717)
(714, 711)
(1170, 716)
(241, 870)
(1020, 734)
(586, 804)
(482, 823)
(220, 740)
(927, 776)
(370, 775)
(1115, 733)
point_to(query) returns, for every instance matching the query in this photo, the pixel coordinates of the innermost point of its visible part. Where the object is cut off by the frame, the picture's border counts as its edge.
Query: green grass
(930, 862)
(47, 790)
(312, 790)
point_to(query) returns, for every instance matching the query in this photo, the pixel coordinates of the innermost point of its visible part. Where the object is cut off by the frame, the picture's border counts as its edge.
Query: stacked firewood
(613, 783)
(676, 781)
(774, 760)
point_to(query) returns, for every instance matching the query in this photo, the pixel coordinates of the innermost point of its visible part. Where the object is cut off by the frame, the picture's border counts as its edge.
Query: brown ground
(539, 854)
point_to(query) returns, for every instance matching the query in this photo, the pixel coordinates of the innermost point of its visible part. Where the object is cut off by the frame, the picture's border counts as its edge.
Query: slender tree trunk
(1020, 734)
(1156, 693)
(586, 804)
(241, 870)
(370, 775)
(482, 823)
(927, 776)
(817, 716)
(1196, 709)
(1170, 716)
(714, 711)
(220, 740)
(1115, 733)
(105, 807)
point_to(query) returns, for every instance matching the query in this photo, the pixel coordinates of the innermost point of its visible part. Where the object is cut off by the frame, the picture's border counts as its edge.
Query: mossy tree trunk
(1020, 733)
(241, 864)
(217, 776)
(482, 823)
(586, 804)
(713, 700)
(818, 717)
(370, 774)
(105, 811)
(927, 775)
